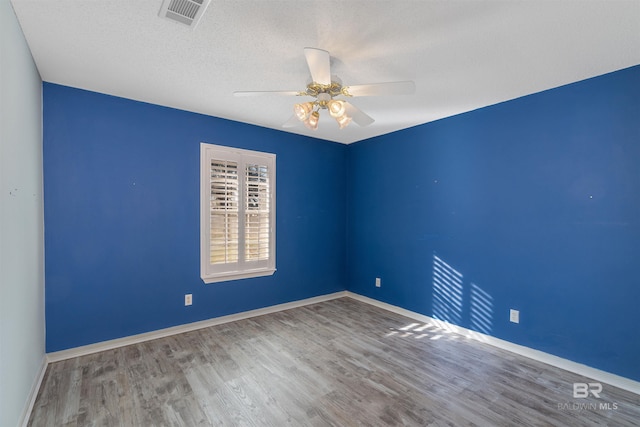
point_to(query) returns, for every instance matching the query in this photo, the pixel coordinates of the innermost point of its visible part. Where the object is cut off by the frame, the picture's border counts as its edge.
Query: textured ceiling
(462, 55)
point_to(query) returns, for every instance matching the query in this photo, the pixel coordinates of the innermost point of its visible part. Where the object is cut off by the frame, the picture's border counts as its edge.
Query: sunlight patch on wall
(447, 292)
(458, 302)
(481, 310)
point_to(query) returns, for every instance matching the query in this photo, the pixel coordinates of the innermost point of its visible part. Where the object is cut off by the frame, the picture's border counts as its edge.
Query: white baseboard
(540, 356)
(33, 393)
(161, 333)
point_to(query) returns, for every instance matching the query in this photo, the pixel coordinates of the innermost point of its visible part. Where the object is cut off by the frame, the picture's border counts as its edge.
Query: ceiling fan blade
(267, 92)
(375, 89)
(357, 115)
(319, 65)
(292, 122)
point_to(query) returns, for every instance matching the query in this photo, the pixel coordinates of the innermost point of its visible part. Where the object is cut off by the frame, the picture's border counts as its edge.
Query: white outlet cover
(514, 316)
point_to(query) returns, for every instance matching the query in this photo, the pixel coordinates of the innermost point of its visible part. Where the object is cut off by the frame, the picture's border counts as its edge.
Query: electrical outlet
(188, 299)
(514, 316)
(378, 282)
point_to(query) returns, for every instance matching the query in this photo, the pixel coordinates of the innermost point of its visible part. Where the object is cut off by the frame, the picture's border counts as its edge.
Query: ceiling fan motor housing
(334, 89)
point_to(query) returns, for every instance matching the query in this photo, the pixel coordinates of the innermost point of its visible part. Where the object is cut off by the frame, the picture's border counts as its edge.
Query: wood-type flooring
(336, 363)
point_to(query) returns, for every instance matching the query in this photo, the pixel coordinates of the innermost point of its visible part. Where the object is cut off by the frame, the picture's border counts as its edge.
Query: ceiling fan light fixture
(312, 121)
(336, 108)
(343, 121)
(302, 111)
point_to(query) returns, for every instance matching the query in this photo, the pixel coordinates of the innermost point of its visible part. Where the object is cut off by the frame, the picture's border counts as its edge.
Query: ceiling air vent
(187, 12)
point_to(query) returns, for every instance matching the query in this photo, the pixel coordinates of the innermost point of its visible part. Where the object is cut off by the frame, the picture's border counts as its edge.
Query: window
(237, 213)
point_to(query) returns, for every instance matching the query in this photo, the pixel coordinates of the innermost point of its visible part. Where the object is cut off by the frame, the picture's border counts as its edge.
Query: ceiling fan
(328, 92)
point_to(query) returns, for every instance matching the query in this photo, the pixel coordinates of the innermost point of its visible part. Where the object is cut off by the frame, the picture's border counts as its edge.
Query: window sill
(237, 275)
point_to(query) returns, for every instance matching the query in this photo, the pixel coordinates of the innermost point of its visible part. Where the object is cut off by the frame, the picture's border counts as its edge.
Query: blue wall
(122, 217)
(532, 204)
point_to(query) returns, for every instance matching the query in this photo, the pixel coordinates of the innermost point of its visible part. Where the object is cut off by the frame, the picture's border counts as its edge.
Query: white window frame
(240, 269)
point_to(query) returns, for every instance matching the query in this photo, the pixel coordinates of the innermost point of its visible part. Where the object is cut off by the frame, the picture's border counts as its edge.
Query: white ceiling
(462, 55)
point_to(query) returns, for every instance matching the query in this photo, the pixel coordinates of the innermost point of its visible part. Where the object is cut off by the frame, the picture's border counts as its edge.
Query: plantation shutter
(257, 208)
(224, 212)
(238, 212)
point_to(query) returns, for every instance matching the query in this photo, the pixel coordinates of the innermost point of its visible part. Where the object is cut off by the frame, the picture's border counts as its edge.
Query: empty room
(322, 213)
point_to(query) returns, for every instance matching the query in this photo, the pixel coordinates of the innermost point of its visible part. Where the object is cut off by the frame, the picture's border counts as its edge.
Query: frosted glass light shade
(303, 110)
(312, 121)
(336, 108)
(343, 121)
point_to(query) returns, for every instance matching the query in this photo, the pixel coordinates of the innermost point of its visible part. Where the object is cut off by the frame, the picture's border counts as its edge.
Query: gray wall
(22, 327)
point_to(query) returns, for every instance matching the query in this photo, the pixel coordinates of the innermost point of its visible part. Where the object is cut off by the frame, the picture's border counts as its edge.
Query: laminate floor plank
(336, 363)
